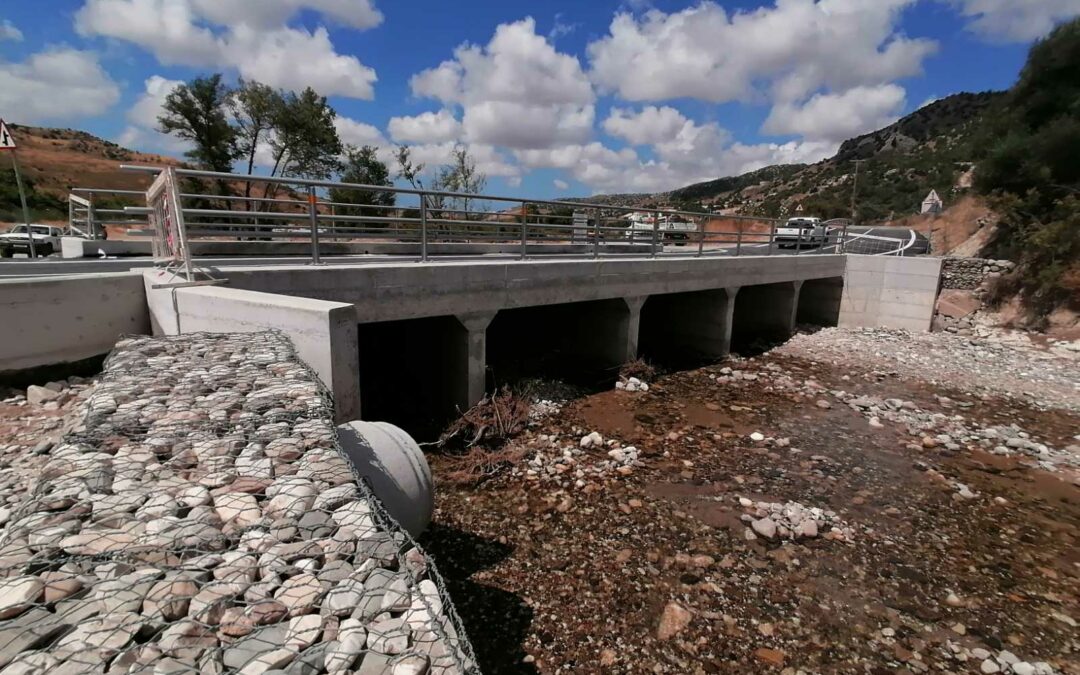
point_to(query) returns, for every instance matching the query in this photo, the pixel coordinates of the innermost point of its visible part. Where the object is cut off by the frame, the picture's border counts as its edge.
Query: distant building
(932, 203)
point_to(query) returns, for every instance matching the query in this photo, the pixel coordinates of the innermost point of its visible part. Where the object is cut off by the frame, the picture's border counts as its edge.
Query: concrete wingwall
(890, 292)
(65, 319)
(324, 333)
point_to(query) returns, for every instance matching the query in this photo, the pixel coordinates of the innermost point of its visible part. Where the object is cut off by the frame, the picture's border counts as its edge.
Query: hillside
(932, 148)
(55, 160)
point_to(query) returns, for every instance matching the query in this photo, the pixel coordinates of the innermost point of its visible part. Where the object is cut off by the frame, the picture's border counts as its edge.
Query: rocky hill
(932, 148)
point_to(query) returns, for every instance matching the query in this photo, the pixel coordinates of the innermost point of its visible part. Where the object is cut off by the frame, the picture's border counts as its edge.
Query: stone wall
(970, 273)
(201, 518)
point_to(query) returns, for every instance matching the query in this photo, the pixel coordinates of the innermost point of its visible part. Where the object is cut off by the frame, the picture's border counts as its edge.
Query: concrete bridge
(393, 337)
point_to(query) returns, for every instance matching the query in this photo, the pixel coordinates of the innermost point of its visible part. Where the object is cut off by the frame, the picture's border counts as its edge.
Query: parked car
(46, 240)
(798, 232)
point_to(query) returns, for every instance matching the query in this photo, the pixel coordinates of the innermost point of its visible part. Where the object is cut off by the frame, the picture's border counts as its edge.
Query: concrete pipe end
(395, 467)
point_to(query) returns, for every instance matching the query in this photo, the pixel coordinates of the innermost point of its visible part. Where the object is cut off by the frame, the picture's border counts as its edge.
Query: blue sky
(553, 98)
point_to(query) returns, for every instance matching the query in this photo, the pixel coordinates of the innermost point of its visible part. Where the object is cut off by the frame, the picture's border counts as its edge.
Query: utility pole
(854, 188)
(7, 142)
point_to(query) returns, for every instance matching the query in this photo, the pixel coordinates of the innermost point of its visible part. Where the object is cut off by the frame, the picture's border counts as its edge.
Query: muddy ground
(651, 568)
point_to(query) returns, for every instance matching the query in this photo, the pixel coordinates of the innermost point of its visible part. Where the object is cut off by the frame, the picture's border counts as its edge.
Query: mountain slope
(932, 148)
(55, 160)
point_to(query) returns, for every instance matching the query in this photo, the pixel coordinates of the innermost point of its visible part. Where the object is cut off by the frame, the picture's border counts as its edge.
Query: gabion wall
(204, 520)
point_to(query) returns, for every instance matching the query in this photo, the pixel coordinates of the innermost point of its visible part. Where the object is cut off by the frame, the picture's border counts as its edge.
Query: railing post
(701, 238)
(423, 228)
(655, 232)
(91, 227)
(843, 239)
(798, 242)
(524, 230)
(772, 237)
(738, 241)
(596, 236)
(313, 217)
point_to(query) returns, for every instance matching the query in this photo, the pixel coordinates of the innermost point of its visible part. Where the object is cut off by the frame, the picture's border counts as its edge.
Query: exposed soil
(553, 576)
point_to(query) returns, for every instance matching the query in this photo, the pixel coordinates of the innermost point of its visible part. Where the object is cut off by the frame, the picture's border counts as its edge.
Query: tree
(461, 175)
(412, 173)
(1031, 173)
(362, 165)
(196, 112)
(305, 142)
(254, 107)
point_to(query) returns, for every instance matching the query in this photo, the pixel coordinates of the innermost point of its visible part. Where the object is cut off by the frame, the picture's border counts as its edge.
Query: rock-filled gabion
(969, 273)
(202, 519)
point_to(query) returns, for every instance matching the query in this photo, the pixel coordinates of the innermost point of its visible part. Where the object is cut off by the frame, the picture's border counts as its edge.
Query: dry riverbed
(854, 501)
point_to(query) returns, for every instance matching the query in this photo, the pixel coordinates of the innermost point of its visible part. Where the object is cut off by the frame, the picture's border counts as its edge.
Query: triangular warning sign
(7, 141)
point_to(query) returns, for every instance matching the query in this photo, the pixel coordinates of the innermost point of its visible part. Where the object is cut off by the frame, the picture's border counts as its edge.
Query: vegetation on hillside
(929, 149)
(1031, 171)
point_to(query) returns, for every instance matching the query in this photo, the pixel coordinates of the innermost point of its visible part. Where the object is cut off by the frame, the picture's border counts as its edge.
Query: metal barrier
(89, 219)
(282, 209)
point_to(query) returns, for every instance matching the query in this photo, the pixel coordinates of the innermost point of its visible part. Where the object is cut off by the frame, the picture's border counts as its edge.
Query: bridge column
(633, 327)
(471, 382)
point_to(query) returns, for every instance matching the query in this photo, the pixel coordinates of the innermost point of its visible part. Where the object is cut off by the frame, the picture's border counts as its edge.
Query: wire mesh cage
(203, 518)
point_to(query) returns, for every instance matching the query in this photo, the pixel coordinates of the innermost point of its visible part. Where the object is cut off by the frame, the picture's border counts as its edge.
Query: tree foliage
(196, 112)
(305, 142)
(1032, 173)
(254, 108)
(362, 165)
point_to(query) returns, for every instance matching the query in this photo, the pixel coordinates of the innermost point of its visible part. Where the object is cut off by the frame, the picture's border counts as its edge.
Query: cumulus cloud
(795, 48)
(8, 31)
(837, 117)
(651, 125)
(560, 184)
(141, 132)
(429, 127)
(1015, 20)
(55, 84)
(517, 91)
(360, 14)
(220, 33)
(357, 133)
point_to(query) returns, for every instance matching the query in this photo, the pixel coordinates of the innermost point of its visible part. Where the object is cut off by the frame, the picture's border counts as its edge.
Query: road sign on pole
(7, 142)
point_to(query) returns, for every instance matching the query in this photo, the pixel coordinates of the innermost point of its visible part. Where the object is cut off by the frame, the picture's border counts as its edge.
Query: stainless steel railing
(435, 222)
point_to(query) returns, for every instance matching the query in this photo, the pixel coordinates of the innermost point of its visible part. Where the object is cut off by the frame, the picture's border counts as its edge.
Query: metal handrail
(597, 229)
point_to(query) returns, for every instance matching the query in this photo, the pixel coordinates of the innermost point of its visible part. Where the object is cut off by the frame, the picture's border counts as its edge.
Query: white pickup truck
(671, 228)
(798, 232)
(46, 240)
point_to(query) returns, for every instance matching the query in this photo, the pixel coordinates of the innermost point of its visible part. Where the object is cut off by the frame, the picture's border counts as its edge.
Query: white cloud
(360, 14)
(293, 58)
(560, 184)
(651, 125)
(1015, 20)
(838, 117)
(429, 127)
(789, 50)
(142, 133)
(55, 84)
(356, 133)
(8, 31)
(433, 155)
(218, 33)
(517, 91)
